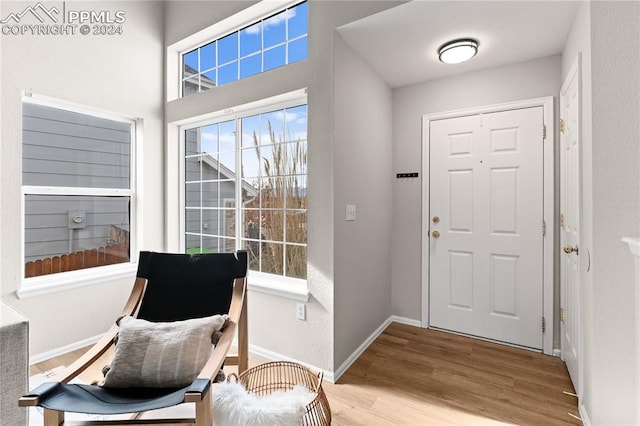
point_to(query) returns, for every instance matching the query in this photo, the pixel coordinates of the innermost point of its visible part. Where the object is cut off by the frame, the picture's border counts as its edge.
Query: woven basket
(267, 378)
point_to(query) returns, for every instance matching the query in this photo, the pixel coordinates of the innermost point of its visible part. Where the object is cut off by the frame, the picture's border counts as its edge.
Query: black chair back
(184, 286)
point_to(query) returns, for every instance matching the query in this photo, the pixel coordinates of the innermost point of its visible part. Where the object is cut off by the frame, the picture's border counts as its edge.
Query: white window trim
(276, 285)
(51, 283)
(216, 31)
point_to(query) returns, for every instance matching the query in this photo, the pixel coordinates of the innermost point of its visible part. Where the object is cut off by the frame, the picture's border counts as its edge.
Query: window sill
(38, 286)
(274, 285)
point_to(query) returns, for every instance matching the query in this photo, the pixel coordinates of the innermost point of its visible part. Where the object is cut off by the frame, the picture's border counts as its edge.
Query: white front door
(486, 229)
(569, 224)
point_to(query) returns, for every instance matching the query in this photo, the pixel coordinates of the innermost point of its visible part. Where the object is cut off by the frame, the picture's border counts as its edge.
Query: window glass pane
(250, 65)
(273, 193)
(253, 249)
(228, 136)
(227, 165)
(228, 73)
(296, 227)
(296, 262)
(250, 131)
(191, 86)
(211, 194)
(251, 219)
(297, 50)
(193, 220)
(272, 258)
(212, 245)
(190, 63)
(250, 163)
(250, 39)
(295, 158)
(192, 169)
(275, 29)
(71, 232)
(209, 139)
(210, 222)
(228, 223)
(228, 49)
(272, 225)
(192, 196)
(250, 193)
(272, 127)
(70, 149)
(208, 80)
(296, 192)
(296, 123)
(274, 57)
(192, 244)
(208, 56)
(191, 141)
(298, 20)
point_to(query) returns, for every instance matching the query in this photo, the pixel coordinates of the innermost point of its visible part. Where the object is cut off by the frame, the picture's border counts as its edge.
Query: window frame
(279, 285)
(49, 283)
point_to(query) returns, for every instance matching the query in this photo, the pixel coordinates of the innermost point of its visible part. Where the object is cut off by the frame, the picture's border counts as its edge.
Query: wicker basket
(266, 378)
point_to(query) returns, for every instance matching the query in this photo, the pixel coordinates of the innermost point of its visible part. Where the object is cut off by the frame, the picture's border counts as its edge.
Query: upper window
(245, 187)
(272, 42)
(77, 188)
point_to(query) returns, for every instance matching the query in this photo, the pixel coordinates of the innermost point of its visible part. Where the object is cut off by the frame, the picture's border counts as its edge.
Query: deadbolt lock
(569, 249)
(435, 234)
(435, 219)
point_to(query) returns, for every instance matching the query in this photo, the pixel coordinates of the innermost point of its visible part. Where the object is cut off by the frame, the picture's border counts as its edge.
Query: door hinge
(561, 314)
(544, 228)
(561, 221)
(544, 132)
(561, 125)
(544, 325)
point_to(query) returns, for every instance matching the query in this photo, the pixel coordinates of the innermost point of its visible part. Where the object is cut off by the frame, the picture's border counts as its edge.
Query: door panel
(486, 186)
(569, 225)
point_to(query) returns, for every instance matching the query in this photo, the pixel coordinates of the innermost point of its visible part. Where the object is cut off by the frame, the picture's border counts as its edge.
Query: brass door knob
(435, 234)
(569, 249)
(436, 219)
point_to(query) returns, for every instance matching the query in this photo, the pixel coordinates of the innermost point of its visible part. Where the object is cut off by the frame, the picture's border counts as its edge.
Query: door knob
(435, 234)
(569, 249)
(436, 219)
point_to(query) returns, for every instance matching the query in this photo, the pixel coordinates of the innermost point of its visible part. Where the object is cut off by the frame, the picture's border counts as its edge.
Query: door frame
(547, 104)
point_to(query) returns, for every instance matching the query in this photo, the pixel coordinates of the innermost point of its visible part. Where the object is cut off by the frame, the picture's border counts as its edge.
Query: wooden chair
(168, 287)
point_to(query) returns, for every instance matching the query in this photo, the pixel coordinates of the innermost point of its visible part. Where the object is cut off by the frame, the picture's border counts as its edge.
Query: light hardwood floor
(414, 376)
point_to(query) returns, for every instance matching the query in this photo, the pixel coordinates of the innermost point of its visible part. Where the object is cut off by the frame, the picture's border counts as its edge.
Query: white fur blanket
(234, 406)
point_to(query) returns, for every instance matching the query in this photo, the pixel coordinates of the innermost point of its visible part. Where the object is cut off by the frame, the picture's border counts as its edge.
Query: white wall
(363, 171)
(119, 73)
(532, 79)
(272, 322)
(610, 305)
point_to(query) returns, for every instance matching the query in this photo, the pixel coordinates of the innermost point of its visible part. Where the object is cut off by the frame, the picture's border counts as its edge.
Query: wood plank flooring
(414, 376)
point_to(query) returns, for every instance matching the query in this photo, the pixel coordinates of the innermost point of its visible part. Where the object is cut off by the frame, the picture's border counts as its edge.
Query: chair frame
(202, 400)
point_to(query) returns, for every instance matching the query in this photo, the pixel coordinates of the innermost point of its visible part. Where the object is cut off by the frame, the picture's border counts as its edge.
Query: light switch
(351, 212)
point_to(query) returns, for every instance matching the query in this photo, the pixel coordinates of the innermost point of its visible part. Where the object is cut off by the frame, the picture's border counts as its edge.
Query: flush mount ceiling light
(457, 51)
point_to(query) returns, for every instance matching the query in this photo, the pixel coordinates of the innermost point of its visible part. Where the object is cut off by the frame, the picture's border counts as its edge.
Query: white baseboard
(363, 347)
(557, 353)
(583, 415)
(64, 349)
(275, 356)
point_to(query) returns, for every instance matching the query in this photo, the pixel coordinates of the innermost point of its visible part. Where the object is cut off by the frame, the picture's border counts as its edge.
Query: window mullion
(238, 209)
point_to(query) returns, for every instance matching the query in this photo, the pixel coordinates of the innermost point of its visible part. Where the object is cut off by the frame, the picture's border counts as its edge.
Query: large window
(264, 45)
(77, 188)
(245, 187)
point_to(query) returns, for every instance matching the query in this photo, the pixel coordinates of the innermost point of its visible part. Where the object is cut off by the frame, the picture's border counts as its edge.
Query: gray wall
(532, 79)
(122, 74)
(363, 168)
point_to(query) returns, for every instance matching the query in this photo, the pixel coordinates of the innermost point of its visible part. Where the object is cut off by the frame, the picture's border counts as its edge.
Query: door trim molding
(547, 104)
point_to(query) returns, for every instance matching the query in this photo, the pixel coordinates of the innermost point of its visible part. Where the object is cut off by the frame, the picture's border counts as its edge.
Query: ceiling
(401, 43)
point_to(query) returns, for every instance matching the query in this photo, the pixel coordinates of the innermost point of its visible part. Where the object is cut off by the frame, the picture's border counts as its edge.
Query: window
(77, 188)
(245, 187)
(272, 42)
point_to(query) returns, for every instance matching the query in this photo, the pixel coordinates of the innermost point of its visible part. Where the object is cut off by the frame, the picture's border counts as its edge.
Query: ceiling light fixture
(457, 51)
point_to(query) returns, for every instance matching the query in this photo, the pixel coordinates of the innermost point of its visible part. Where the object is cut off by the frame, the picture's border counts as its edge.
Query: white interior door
(569, 224)
(486, 226)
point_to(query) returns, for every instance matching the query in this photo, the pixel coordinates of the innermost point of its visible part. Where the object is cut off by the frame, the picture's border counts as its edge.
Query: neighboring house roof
(229, 174)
